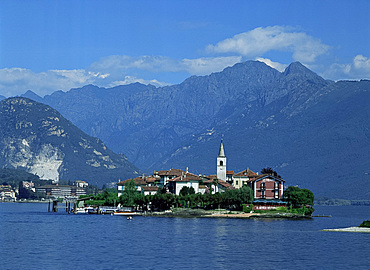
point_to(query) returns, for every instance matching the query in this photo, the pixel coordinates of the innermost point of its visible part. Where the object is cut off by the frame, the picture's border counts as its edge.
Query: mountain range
(314, 132)
(36, 138)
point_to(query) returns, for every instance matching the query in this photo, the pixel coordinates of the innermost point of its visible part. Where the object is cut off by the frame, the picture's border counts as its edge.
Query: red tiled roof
(139, 181)
(246, 172)
(220, 182)
(211, 177)
(162, 172)
(150, 188)
(186, 178)
(174, 172)
(150, 179)
(225, 184)
(229, 172)
(264, 175)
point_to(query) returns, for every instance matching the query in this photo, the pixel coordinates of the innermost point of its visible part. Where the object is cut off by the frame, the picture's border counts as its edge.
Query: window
(236, 182)
(221, 163)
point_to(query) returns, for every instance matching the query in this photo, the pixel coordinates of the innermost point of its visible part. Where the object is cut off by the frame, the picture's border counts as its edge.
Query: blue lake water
(32, 238)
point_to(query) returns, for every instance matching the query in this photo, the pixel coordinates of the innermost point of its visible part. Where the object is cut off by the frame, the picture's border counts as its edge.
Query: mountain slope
(311, 130)
(37, 138)
(323, 147)
(148, 123)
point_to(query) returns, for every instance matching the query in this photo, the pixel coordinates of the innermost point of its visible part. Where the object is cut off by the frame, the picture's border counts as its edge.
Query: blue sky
(57, 45)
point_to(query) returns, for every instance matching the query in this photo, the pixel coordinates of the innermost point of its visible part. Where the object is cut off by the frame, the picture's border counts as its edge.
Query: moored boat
(85, 210)
(124, 213)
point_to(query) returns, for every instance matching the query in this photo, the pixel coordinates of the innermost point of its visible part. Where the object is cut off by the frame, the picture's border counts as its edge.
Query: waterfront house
(242, 178)
(185, 180)
(267, 191)
(139, 181)
(165, 176)
(266, 186)
(149, 190)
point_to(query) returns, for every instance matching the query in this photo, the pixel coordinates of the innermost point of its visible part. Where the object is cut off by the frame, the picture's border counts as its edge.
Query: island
(363, 228)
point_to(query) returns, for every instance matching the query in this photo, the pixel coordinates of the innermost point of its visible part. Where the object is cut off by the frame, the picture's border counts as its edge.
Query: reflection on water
(60, 241)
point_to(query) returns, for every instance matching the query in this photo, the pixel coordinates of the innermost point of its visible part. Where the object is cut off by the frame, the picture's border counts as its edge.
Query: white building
(186, 180)
(221, 163)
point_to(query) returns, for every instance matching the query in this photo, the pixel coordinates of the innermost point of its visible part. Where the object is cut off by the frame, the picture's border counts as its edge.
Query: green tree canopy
(187, 191)
(270, 171)
(129, 194)
(298, 197)
(234, 198)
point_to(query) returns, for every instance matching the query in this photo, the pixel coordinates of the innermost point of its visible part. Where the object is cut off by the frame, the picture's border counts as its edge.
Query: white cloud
(133, 79)
(275, 65)
(146, 62)
(362, 63)
(16, 81)
(200, 66)
(358, 69)
(260, 40)
(107, 72)
(207, 65)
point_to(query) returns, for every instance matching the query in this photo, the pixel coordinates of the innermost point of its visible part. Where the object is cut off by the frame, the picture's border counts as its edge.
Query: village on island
(165, 190)
(267, 188)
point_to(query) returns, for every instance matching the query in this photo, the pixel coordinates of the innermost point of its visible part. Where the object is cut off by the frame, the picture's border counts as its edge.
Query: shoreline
(349, 229)
(211, 214)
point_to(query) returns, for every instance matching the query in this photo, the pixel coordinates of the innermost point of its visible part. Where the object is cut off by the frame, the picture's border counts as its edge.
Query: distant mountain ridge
(131, 118)
(35, 137)
(285, 120)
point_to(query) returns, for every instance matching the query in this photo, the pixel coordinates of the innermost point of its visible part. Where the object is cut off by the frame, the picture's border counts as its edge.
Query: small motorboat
(124, 213)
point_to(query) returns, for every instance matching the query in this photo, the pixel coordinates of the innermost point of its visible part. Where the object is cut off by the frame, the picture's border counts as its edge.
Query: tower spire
(221, 153)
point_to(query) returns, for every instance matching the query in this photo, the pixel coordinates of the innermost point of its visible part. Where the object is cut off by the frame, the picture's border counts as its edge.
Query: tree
(267, 170)
(298, 197)
(141, 201)
(246, 195)
(187, 191)
(128, 194)
(270, 171)
(162, 201)
(234, 198)
(162, 190)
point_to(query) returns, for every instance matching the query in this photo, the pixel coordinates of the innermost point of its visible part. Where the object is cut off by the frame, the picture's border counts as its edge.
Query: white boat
(81, 210)
(85, 210)
(124, 213)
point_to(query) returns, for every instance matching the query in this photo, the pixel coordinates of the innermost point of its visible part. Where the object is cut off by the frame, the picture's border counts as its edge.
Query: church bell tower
(221, 163)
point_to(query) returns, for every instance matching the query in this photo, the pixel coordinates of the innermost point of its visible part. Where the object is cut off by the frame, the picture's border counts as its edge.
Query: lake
(32, 238)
